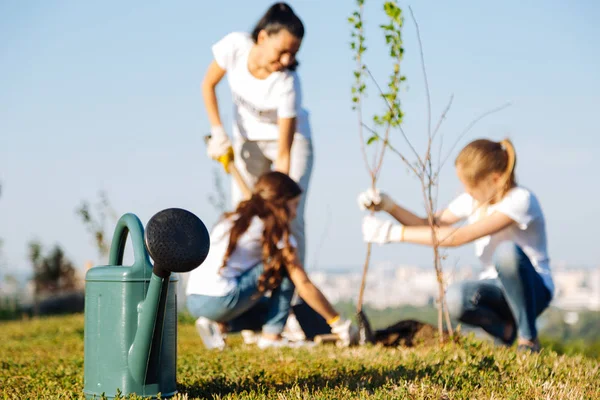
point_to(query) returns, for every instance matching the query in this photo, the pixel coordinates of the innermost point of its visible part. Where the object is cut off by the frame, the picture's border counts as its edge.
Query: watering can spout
(149, 333)
(178, 241)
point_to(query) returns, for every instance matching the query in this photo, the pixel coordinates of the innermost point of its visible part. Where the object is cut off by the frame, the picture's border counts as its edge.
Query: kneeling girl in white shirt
(253, 253)
(513, 291)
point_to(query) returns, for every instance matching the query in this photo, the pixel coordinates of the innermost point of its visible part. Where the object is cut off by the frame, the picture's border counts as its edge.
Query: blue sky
(106, 96)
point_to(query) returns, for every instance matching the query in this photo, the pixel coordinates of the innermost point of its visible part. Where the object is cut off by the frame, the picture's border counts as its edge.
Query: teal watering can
(130, 334)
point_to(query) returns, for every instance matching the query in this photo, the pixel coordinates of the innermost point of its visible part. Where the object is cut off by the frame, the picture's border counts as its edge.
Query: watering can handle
(129, 223)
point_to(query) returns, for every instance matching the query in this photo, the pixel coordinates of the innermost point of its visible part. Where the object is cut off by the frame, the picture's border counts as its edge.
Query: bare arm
(287, 128)
(449, 236)
(446, 218)
(213, 76)
(407, 218)
(310, 293)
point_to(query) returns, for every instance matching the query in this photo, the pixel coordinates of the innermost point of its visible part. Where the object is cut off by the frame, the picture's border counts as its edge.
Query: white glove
(381, 232)
(218, 144)
(376, 200)
(346, 331)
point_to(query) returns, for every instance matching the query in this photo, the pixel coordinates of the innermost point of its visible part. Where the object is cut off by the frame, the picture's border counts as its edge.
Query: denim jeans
(254, 158)
(243, 308)
(517, 297)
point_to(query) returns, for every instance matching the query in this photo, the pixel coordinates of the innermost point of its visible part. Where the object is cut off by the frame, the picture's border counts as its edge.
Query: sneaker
(249, 336)
(210, 334)
(292, 330)
(264, 343)
(532, 347)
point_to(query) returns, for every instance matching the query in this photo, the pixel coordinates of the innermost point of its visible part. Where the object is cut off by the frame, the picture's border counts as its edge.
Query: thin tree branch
(443, 116)
(375, 161)
(362, 138)
(360, 70)
(427, 92)
(393, 150)
(429, 168)
(358, 105)
(470, 126)
(385, 140)
(363, 282)
(439, 161)
(437, 186)
(392, 110)
(427, 185)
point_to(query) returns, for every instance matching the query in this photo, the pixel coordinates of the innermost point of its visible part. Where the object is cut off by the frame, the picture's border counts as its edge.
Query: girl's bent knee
(455, 300)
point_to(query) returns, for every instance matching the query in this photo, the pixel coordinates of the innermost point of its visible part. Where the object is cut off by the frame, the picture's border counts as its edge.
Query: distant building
(389, 285)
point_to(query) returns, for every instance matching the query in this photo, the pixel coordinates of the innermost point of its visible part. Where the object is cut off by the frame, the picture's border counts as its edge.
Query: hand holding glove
(346, 331)
(375, 200)
(219, 147)
(381, 232)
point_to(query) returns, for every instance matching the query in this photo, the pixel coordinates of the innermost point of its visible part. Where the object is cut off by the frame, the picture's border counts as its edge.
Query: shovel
(232, 169)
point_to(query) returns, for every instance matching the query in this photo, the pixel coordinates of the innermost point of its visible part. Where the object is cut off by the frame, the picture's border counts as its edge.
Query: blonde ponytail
(511, 162)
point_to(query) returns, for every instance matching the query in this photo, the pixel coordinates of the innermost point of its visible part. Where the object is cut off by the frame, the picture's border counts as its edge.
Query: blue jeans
(516, 298)
(244, 308)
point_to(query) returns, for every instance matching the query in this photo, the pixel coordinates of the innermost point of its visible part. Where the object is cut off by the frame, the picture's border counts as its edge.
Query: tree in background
(95, 218)
(53, 272)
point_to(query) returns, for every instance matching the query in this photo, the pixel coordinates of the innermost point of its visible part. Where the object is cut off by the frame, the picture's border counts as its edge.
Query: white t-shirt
(529, 232)
(258, 103)
(209, 279)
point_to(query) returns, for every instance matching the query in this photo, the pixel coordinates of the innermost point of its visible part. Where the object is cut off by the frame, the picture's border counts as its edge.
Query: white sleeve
(224, 51)
(291, 97)
(517, 205)
(462, 206)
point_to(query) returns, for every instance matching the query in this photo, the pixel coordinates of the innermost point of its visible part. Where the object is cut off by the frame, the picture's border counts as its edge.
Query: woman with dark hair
(270, 127)
(253, 252)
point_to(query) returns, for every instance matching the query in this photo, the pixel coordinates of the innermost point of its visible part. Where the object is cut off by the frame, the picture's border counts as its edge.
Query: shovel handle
(239, 180)
(246, 192)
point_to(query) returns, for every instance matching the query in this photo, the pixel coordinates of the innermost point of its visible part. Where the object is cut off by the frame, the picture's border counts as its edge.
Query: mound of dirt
(407, 333)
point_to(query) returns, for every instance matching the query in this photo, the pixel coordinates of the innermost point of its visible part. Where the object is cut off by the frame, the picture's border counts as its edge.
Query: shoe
(210, 334)
(292, 330)
(264, 343)
(532, 347)
(249, 336)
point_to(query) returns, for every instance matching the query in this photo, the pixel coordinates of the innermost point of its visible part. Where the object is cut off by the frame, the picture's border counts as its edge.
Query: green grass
(43, 358)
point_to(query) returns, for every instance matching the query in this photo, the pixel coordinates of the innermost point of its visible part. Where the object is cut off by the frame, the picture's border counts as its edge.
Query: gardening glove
(375, 200)
(346, 331)
(219, 147)
(381, 232)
